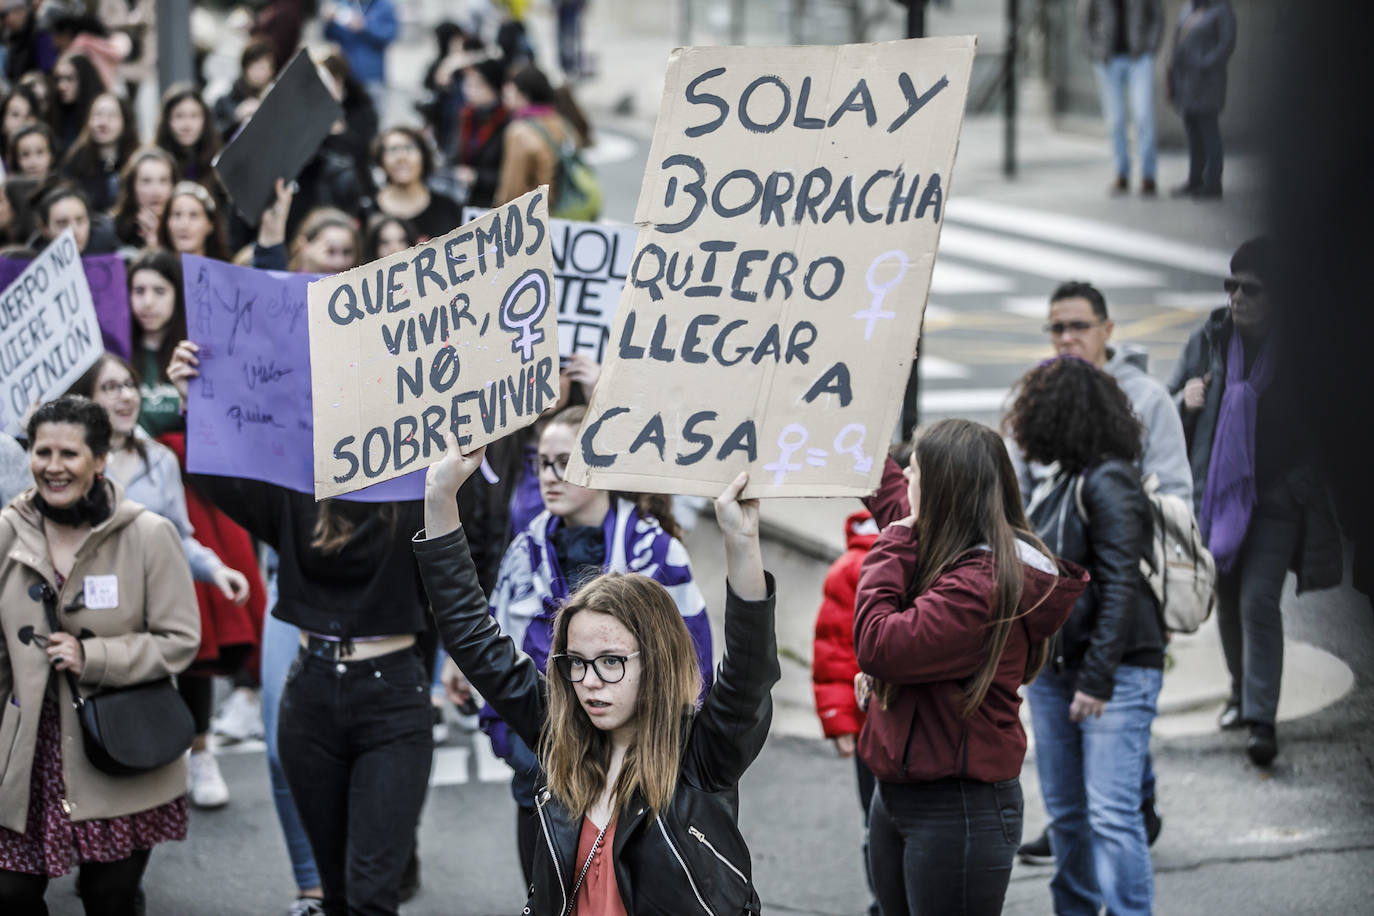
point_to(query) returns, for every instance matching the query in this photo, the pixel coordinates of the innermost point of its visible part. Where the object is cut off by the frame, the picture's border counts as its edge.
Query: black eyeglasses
(610, 668)
(116, 387)
(559, 466)
(1251, 288)
(1060, 328)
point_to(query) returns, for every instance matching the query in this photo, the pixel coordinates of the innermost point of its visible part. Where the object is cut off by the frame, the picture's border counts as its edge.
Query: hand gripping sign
(459, 333)
(789, 219)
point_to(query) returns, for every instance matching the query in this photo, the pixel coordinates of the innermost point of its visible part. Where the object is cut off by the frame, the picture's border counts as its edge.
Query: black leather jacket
(1116, 621)
(690, 859)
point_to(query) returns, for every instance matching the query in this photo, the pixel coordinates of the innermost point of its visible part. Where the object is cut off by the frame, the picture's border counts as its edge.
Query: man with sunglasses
(1079, 326)
(1259, 504)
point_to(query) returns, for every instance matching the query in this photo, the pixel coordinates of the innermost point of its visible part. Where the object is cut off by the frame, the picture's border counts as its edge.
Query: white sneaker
(204, 782)
(306, 906)
(439, 731)
(240, 718)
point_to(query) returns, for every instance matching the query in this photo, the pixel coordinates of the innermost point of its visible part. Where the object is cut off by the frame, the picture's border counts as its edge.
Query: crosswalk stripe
(963, 400)
(951, 277)
(1086, 233)
(450, 766)
(1043, 260)
(934, 367)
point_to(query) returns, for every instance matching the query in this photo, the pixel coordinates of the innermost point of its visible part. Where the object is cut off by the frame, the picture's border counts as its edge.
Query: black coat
(1318, 560)
(1116, 620)
(690, 859)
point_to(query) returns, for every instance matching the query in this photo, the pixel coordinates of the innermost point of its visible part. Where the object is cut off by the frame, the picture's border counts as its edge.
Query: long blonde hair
(576, 754)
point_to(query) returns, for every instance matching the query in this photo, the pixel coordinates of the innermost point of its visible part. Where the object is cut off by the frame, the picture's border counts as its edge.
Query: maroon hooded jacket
(931, 646)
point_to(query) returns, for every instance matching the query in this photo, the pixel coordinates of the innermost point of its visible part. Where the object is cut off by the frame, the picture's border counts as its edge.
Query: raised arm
(890, 503)
(506, 677)
(733, 724)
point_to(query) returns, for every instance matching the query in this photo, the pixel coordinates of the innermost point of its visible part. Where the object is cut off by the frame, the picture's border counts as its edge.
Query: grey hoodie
(1165, 450)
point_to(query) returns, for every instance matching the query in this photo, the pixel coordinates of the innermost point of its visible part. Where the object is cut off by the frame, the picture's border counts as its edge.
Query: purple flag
(248, 415)
(109, 292)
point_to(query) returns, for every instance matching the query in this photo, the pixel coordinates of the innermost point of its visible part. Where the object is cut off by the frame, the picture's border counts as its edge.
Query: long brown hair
(126, 203)
(970, 498)
(575, 753)
(337, 521)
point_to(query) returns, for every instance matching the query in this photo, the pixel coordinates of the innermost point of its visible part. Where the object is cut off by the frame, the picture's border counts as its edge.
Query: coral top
(599, 895)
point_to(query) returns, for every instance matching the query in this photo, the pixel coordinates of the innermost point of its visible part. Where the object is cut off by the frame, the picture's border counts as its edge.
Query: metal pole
(175, 56)
(736, 22)
(911, 398)
(797, 27)
(915, 18)
(1009, 125)
(684, 32)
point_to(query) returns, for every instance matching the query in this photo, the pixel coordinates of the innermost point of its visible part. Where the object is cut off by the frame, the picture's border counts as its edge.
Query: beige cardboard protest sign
(458, 333)
(789, 219)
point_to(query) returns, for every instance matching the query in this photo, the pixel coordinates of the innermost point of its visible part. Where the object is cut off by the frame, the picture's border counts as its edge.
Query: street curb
(803, 543)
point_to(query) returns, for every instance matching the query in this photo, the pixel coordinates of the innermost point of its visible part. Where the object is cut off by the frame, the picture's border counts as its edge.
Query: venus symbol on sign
(862, 463)
(875, 311)
(790, 441)
(514, 320)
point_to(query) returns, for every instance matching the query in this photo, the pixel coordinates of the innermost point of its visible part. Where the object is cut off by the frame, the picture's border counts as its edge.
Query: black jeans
(106, 888)
(943, 848)
(355, 745)
(1204, 149)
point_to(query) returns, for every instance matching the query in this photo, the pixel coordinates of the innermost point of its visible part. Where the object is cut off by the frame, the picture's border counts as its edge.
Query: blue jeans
(1090, 774)
(1119, 80)
(280, 645)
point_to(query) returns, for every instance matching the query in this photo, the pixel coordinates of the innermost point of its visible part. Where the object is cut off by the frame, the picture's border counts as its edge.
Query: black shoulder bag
(128, 729)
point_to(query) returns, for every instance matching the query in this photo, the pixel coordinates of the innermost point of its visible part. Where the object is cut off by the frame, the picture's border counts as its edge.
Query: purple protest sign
(249, 413)
(109, 292)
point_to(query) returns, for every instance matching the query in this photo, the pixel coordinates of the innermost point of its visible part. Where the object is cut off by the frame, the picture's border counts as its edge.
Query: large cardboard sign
(457, 333)
(109, 287)
(590, 264)
(49, 334)
(294, 118)
(248, 413)
(789, 220)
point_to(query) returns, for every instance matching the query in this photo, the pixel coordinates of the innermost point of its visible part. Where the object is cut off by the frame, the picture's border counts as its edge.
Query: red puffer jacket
(931, 646)
(833, 664)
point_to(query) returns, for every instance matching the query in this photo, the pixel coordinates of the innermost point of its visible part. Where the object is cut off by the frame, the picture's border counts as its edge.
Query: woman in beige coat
(127, 614)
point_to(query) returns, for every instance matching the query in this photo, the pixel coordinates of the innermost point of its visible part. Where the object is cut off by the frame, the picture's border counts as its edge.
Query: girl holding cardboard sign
(638, 807)
(580, 534)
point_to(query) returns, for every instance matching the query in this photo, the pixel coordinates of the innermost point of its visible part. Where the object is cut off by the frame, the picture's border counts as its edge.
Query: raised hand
(185, 365)
(739, 525)
(442, 481)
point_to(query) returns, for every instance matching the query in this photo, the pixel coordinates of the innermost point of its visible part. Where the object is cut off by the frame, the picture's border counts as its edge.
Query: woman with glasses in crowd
(637, 807)
(123, 602)
(580, 534)
(404, 156)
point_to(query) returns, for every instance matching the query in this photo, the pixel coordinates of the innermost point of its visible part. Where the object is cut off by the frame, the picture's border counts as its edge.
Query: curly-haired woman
(1092, 706)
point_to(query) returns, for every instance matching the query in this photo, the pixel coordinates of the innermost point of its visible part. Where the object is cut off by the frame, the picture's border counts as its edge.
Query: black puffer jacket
(690, 859)
(1116, 621)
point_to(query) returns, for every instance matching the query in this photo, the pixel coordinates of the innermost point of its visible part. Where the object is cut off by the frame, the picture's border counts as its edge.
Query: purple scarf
(1230, 497)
